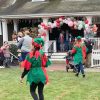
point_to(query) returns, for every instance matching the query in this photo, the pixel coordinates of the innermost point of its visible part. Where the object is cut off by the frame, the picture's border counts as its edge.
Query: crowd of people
(34, 61)
(24, 38)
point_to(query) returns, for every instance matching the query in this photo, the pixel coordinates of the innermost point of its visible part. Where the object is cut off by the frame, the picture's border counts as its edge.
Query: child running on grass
(34, 66)
(79, 57)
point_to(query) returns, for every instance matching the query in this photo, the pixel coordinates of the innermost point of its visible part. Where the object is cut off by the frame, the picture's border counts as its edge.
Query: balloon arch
(72, 22)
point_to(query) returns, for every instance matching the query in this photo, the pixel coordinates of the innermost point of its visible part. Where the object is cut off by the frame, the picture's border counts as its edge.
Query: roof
(27, 8)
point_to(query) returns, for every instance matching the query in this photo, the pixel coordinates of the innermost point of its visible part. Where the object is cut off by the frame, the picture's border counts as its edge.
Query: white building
(14, 13)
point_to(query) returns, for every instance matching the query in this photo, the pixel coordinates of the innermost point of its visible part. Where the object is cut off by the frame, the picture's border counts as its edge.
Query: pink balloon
(60, 19)
(57, 21)
(70, 23)
(42, 24)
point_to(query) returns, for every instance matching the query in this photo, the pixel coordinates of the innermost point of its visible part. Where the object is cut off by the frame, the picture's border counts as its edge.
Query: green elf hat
(79, 38)
(38, 42)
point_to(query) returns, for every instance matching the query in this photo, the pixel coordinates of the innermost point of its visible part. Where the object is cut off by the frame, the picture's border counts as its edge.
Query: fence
(95, 58)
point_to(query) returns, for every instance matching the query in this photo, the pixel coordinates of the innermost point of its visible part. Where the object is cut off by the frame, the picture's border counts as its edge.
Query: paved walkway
(61, 67)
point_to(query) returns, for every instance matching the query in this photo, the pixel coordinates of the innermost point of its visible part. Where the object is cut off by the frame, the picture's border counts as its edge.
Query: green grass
(62, 86)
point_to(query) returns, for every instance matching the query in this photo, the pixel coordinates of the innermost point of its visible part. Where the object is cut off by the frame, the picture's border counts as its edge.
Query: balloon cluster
(71, 22)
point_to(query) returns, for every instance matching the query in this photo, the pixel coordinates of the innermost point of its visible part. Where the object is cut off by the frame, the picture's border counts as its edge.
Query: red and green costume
(36, 62)
(79, 51)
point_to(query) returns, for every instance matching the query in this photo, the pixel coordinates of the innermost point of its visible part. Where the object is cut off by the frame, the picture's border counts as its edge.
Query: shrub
(13, 49)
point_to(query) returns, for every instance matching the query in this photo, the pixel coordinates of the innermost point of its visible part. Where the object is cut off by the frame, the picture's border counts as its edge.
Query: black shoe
(83, 76)
(76, 74)
(7, 66)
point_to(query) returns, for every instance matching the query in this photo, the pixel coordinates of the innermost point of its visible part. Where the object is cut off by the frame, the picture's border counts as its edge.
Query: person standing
(14, 36)
(89, 44)
(79, 55)
(61, 40)
(34, 66)
(6, 51)
(24, 44)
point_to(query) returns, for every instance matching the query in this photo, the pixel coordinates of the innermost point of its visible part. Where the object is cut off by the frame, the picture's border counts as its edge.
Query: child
(6, 51)
(34, 66)
(79, 51)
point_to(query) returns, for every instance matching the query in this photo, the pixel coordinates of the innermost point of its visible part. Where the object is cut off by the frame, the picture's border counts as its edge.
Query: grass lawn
(62, 86)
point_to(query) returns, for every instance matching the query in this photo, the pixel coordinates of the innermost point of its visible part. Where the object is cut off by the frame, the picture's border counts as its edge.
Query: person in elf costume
(79, 55)
(35, 65)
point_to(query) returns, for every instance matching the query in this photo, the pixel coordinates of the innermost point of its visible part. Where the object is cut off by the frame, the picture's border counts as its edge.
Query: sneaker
(83, 76)
(76, 74)
(7, 66)
(2, 67)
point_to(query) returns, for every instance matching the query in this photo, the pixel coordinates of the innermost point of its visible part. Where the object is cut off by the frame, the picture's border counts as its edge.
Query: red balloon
(86, 21)
(58, 25)
(43, 34)
(57, 21)
(45, 27)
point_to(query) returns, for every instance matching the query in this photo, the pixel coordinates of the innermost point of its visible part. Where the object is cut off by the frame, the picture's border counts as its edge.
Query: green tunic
(37, 72)
(78, 55)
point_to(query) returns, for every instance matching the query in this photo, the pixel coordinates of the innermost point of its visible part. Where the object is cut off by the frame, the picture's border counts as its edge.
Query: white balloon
(54, 24)
(39, 26)
(86, 26)
(88, 30)
(80, 22)
(61, 23)
(39, 30)
(80, 27)
(49, 23)
(64, 20)
(68, 19)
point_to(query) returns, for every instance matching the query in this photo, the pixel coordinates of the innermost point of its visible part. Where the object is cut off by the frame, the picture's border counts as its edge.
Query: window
(37, 0)
(96, 20)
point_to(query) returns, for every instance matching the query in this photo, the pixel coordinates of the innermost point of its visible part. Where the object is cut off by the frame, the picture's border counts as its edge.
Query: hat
(38, 42)
(79, 38)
